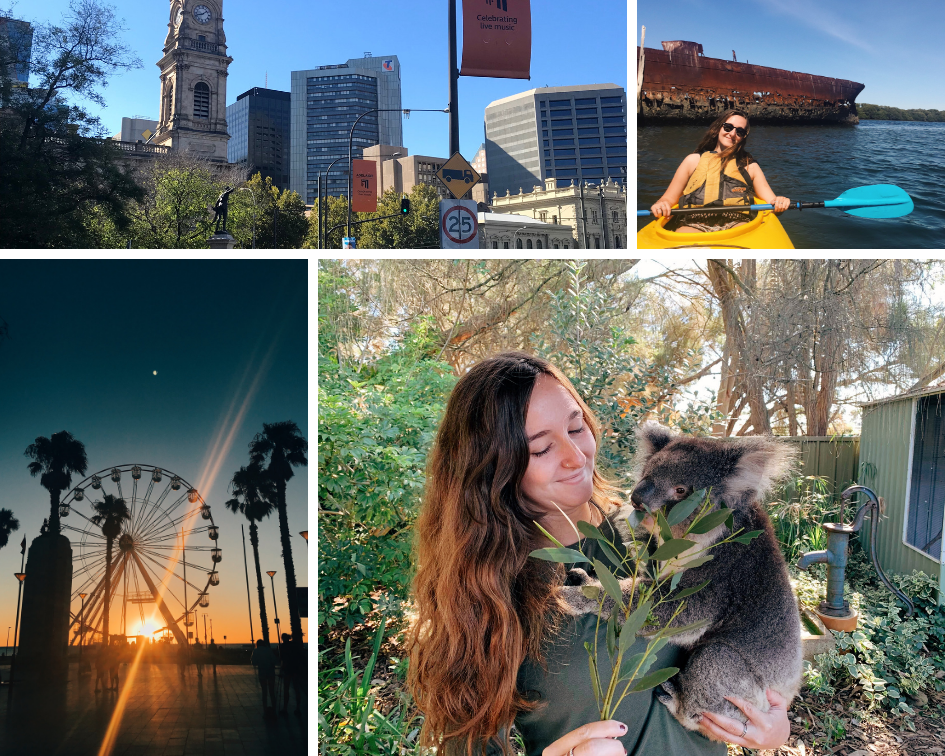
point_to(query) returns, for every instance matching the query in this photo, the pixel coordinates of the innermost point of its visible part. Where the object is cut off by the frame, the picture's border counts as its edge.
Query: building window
(593, 216)
(923, 515)
(554, 219)
(561, 103)
(565, 245)
(528, 244)
(589, 140)
(201, 100)
(566, 172)
(565, 142)
(538, 244)
(562, 132)
(596, 242)
(562, 122)
(518, 244)
(556, 245)
(588, 132)
(589, 101)
(544, 133)
(586, 111)
(590, 151)
(546, 143)
(591, 161)
(543, 216)
(563, 153)
(615, 216)
(505, 245)
(568, 161)
(587, 122)
(544, 124)
(608, 100)
(495, 244)
(617, 244)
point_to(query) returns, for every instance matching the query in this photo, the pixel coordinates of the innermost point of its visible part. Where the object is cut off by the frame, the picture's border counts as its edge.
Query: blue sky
(895, 49)
(85, 340)
(572, 43)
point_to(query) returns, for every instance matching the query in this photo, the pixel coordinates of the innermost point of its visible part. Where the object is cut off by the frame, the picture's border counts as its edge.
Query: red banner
(497, 39)
(364, 186)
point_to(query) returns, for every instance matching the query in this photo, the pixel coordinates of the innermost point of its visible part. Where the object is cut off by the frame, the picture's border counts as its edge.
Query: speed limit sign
(459, 224)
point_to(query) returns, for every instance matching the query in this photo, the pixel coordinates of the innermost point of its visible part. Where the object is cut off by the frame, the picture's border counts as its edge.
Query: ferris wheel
(159, 558)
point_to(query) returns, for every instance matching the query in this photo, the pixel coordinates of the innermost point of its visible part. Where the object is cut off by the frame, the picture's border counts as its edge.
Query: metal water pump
(835, 557)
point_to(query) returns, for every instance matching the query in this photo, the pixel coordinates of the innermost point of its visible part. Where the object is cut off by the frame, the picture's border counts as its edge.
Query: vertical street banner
(364, 186)
(497, 39)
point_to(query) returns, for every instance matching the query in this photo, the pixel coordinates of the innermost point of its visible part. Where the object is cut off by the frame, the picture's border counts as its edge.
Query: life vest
(710, 186)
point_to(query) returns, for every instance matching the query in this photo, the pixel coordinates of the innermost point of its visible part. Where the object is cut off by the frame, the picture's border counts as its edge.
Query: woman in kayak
(720, 172)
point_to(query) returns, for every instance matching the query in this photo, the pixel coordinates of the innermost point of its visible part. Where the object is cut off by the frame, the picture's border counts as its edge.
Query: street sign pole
(454, 82)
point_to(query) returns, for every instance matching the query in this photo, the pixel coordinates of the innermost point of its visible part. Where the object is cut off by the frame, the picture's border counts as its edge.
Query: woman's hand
(765, 730)
(781, 204)
(594, 739)
(661, 209)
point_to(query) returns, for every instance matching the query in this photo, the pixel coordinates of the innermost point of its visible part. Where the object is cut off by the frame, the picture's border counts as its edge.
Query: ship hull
(683, 86)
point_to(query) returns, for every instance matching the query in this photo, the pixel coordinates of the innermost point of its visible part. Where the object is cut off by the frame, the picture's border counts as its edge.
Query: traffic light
(404, 205)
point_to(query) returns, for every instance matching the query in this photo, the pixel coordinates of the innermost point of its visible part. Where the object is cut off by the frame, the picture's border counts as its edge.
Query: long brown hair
(482, 605)
(737, 151)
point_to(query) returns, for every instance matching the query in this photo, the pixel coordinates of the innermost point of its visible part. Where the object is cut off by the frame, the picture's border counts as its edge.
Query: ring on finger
(744, 730)
(571, 752)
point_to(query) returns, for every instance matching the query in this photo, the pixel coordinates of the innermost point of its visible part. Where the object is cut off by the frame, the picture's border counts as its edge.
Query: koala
(752, 639)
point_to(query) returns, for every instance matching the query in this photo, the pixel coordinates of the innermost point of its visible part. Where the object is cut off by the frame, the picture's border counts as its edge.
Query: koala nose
(640, 490)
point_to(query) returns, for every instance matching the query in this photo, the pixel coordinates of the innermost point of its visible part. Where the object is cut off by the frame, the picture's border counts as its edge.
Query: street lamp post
(304, 534)
(16, 625)
(322, 233)
(406, 111)
(275, 608)
(453, 108)
(82, 628)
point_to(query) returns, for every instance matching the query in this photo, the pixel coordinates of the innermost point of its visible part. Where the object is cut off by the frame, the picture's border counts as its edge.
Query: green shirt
(569, 699)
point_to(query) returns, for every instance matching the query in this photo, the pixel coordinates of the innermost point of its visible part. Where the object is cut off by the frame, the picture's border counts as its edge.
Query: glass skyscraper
(16, 44)
(326, 102)
(572, 134)
(258, 124)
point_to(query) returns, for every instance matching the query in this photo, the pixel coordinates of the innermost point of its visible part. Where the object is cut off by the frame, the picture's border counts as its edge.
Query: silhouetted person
(44, 527)
(113, 661)
(264, 660)
(101, 663)
(291, 674)
(182, 659)
(212, 650)
(198, 658)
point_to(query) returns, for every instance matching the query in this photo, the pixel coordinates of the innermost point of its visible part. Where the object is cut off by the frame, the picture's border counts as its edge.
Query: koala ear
(651, 438)
(762, 463)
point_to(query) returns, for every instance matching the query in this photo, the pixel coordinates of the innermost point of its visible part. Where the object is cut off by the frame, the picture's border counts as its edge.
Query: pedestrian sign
(459, 224)
(458, 176)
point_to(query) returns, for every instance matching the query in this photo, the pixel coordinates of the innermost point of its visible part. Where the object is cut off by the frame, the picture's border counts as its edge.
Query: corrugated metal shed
(886, 448)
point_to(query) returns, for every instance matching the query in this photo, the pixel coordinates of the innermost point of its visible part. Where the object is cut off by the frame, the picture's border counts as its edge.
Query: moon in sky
(155, 372)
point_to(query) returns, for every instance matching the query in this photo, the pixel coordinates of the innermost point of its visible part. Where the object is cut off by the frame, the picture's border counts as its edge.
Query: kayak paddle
(874, 201)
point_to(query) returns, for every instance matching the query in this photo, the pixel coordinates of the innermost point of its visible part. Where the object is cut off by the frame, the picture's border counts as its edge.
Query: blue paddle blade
(875, 201)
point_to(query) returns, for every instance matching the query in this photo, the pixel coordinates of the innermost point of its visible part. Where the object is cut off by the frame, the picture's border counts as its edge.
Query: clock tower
(193, 81)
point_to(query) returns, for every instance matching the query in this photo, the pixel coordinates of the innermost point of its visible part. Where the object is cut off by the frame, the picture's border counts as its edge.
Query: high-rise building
(134, 129)
(400, 171)
(16, 44)
(258, 123)
(572, 134)
(193, 81)
(326, 102)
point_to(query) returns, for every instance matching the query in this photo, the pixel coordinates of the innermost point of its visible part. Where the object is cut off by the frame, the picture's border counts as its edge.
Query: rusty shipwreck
(680, 84)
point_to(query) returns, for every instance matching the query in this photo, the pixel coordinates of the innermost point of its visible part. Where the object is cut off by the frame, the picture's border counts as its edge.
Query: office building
(258, 123)
(16, 45)
(570, 134)
(326, 102)
(400, 171)
(133, 129)
(596, 213)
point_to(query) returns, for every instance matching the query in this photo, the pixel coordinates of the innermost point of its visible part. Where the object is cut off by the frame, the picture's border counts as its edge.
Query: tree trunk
(294, 619)
(54, 527)
(254, 540)
(108, 588)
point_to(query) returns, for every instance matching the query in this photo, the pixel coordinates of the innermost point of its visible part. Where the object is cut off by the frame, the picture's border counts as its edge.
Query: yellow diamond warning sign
(458, 176)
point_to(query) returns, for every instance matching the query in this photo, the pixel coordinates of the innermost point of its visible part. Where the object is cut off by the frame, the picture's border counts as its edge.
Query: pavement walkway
(163, 714)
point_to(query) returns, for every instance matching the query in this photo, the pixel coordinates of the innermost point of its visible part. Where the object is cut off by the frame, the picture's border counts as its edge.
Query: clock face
(179, 16)
(202, 14)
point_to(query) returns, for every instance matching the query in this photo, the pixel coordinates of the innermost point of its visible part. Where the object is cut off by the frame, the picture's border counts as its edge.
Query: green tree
(8, 523)
(274, 218)
(55, 164)
(419, 229)
(110, 514)
(55, 459)
(337, 210)
(282, 446)
(254, 494)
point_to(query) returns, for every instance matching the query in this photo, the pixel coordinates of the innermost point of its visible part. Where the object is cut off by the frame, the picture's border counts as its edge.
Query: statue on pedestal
(220, 210)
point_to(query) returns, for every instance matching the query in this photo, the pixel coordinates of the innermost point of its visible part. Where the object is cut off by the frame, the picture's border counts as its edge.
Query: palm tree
(56, 458)
(254, 495)
(8, 523)
(109, 514)
(284, 446)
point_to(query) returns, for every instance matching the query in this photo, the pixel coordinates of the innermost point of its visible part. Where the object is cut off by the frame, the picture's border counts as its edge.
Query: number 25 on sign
(459, 224)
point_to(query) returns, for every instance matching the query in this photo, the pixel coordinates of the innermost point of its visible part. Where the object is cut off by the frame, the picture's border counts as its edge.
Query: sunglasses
(726, 127)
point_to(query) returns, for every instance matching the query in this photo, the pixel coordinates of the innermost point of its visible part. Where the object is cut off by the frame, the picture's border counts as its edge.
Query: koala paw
(667, 695)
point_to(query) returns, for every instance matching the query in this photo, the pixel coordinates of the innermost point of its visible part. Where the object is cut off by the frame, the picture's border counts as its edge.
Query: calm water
(816, 163)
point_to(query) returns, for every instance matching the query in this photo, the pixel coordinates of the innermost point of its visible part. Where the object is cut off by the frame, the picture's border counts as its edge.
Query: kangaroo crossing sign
(458, 176)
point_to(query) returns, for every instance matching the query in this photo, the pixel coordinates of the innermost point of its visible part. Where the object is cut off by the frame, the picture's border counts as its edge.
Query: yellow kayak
(764, 232)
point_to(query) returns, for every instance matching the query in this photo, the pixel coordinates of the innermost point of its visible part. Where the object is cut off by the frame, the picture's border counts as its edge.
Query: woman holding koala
(491, 643)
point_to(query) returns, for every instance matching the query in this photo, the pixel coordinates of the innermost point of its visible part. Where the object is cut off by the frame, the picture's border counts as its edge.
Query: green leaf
(664, 527)
(698, 562)
(686, 592)
(595, 683)
(670, 632)
(677, 576)
(615, 560)
(632, 626)
(671, 549)
(658, 677)
(591, 591)
(609, 582)
(747, 537)
(550, 537)
(710, 522)
(686, 507)
(567, 556)
(629, 665)
(612, 635)
(590, 531)
(634, 519)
